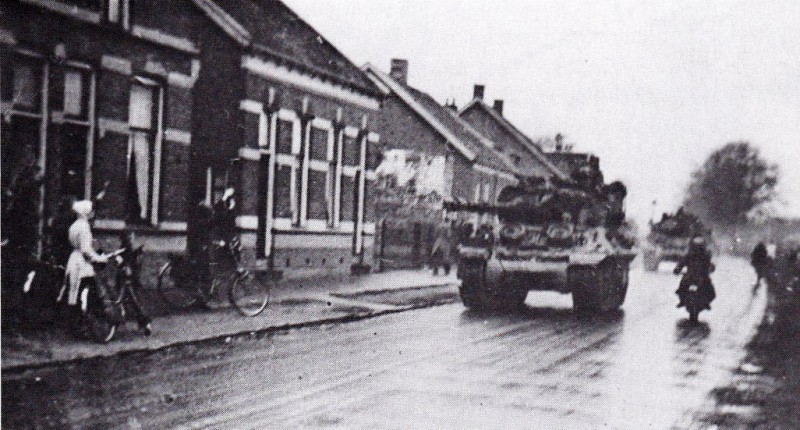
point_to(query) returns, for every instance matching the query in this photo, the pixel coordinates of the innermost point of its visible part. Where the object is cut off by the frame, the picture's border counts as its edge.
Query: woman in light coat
(80, 274)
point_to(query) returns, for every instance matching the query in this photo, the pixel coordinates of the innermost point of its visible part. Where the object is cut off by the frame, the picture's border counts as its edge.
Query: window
(350, 164)
(287, 157)
(144, 116)
(321, 171)
(117, 12)
(22, 86)
(487, 190)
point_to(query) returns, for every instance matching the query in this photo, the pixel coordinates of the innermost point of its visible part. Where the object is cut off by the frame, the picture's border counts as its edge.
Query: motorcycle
(695, 298)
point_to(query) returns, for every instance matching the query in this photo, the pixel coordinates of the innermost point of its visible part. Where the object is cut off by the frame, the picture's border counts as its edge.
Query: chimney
(399, 70)
(451, 104)
(478, 92)
(498, 107)
(559, 142)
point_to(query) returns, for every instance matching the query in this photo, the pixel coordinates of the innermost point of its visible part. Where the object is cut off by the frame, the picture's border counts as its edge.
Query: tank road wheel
(473, 282)
(598, 289)
(580, 279)
(650, 261)
(476, 293)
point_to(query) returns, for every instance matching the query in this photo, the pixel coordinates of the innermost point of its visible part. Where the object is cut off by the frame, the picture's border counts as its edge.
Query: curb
(20, 368)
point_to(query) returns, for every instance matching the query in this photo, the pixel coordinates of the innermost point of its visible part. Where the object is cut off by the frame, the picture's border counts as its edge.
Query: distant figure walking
(762, 263)
(441, 250)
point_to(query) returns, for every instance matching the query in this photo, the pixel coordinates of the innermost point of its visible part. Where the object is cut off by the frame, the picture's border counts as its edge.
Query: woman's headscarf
(83, 208)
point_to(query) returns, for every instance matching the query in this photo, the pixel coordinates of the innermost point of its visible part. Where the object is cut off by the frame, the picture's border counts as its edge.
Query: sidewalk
(293, 303)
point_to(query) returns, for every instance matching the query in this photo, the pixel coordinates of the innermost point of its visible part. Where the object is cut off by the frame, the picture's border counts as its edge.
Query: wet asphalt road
(441, 367)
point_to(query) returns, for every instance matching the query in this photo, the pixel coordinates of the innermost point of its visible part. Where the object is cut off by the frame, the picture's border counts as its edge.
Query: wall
(504, 141)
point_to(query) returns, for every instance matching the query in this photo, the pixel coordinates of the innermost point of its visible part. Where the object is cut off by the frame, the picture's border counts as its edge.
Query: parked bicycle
(184, 284)
(104, 316)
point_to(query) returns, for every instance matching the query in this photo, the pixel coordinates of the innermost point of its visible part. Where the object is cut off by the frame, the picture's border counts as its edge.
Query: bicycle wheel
(249, 296)
(96, 325)
(178, 292)
(99, 328)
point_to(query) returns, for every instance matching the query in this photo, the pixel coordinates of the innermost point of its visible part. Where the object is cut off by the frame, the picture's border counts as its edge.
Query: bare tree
(732, 182)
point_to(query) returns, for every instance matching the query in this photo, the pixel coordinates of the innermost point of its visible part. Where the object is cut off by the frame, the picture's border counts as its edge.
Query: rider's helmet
(698, 243)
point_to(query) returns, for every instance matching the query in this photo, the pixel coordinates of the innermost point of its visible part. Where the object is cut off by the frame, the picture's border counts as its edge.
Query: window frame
(155, 150)
(320, 166)
(291, 160)
(123, 16)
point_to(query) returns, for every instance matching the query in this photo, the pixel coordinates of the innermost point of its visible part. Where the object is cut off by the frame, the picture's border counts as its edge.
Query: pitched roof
(474, 146)
(519, 136)
(270, 28)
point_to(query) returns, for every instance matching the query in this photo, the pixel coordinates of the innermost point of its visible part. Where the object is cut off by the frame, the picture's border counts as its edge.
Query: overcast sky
(650, 87)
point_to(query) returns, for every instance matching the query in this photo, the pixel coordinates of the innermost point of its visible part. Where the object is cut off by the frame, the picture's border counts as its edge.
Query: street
(440, 367)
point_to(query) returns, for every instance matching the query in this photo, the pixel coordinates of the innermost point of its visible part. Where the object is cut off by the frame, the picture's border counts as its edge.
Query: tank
(669, 238)
(565, 237)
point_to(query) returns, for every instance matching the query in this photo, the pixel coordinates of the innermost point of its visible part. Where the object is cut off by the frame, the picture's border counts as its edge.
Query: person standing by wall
(442, 249)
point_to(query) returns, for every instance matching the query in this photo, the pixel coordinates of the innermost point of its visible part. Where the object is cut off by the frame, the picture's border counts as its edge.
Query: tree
(732, 182)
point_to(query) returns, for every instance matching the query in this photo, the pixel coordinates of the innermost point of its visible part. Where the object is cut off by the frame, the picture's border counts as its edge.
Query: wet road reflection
(445, 367)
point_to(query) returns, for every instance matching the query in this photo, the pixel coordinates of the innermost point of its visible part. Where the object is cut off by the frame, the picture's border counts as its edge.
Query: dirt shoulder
(765, 391)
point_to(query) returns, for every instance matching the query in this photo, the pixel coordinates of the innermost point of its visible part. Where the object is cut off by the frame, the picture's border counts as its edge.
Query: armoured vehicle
(567, 238)
(669, 238)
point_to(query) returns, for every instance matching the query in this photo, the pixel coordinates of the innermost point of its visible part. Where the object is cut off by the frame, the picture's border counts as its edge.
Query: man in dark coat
(698, 270)
(761, 262)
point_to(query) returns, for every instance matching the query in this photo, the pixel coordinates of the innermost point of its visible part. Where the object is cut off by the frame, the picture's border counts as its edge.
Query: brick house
(285, 118)
(489, 121)
(103, 102)
(170, 102)
(413, 120)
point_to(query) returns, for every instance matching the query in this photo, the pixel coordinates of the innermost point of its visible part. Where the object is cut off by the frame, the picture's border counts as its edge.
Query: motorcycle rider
(698, 269)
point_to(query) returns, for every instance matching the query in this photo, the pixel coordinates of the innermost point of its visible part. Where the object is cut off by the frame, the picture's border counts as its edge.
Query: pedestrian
(59, 247)
(80, 274)
(130, 258)
(223, 221)
(761, 262)
(441, 250)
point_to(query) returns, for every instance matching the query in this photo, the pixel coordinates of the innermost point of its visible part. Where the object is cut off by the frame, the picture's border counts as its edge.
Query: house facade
(289, 122)
(472, 171)
(509, 140)
(102, 104)
(163, 105)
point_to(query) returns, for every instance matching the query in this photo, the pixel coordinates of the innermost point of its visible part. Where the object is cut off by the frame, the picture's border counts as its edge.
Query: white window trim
(90, 112)
(270, 215)
(362, 181)
(305, 151)
(283, 74)
(337, 182)
(318, 166)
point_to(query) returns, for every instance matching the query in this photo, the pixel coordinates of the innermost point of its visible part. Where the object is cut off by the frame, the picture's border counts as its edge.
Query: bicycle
(184, 284)
(100, 315)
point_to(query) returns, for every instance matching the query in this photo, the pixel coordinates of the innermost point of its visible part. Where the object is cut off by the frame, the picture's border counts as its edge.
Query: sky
(651, 87)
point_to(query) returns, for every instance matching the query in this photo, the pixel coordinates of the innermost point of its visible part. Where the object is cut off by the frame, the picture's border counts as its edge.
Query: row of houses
(165, 104)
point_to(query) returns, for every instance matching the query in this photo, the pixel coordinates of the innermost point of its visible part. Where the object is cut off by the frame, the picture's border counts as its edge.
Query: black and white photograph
(400, 214)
